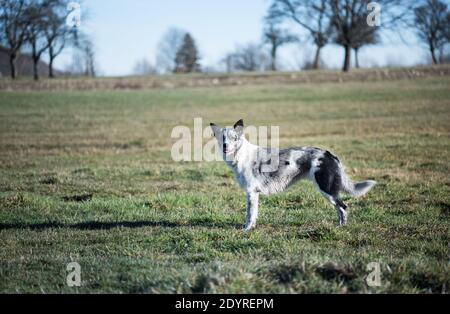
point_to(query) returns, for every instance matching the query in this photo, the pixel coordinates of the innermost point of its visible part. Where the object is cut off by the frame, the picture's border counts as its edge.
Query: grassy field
(87, 176)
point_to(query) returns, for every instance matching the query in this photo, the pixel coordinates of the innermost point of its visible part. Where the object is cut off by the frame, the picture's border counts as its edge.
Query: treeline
(40, 27)
(351, 24)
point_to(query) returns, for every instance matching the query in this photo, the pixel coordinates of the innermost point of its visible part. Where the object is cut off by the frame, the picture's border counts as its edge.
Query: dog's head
(229, 139)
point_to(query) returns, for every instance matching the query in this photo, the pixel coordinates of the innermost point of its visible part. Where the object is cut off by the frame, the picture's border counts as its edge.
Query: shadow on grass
(102, 225)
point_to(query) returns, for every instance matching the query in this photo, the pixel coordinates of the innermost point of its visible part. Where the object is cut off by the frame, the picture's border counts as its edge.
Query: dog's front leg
(252, 210)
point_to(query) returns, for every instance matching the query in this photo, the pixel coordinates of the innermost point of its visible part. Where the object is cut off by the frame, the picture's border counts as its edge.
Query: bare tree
(248, 57)
(276, 37)
(367, 35)
(88, 53)
(432, 21)
(37, 16)
(311, 15)
(144, 67)
(168, 47)
(348, 18)
(83, 58)
(56, 32)
(13, 26)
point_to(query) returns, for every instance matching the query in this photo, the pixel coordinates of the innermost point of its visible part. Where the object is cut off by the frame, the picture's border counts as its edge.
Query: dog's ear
(214, 128)
(239, 126)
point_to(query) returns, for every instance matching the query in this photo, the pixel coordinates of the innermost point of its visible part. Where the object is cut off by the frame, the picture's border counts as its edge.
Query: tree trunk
(316, 64)
(346, 66)
(50, 67)
(35, 56)
(12, 64)
(273, 55)
(51, 57)
(356, 58)
(433, 55)
(35, 69)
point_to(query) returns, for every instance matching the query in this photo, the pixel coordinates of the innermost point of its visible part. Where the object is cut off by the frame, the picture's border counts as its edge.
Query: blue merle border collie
(268, 171)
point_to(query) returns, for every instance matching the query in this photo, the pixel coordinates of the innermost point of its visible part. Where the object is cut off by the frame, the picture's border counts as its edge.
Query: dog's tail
(356, 189)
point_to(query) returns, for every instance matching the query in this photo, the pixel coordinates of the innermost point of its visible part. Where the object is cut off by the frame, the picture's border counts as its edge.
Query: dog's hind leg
(252, 210)
(328, 180)
(341, 211)
(338, 204)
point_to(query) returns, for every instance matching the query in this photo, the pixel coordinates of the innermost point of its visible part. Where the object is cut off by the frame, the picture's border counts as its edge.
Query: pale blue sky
(125, 31)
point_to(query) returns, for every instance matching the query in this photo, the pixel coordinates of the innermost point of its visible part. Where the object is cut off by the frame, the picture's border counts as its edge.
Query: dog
(265, 171)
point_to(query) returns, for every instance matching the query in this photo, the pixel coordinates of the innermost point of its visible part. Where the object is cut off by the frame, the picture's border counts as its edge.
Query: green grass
(88, 177)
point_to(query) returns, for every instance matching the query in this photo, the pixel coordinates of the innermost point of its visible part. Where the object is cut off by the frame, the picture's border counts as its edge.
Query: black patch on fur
(239, 123)
(304, 162)
(340, 203)
(224, 147)
(328, 154)
(328, 177)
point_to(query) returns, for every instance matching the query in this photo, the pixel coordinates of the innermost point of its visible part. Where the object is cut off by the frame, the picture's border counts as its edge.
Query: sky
(125, 31)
